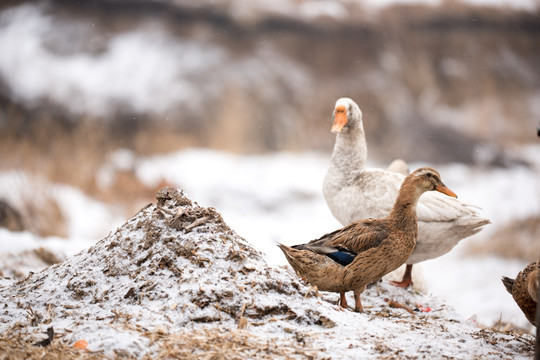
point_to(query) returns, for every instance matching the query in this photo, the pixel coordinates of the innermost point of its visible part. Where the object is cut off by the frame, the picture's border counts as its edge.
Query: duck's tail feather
(508, 283)
(341, 256)
(290, 253)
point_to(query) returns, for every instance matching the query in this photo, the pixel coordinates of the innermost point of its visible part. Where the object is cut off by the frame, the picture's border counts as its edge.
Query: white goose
(353, 192)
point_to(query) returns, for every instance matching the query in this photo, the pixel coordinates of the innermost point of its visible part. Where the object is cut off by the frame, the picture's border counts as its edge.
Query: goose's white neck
(350, 153)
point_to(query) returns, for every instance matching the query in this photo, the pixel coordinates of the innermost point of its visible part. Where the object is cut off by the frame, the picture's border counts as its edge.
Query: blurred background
(104, 101)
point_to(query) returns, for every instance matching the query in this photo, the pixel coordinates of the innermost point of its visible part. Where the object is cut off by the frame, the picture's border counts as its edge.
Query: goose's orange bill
(340, 119)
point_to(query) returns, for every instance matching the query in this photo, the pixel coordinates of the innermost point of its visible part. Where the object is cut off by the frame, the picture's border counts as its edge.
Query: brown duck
(524, 290)
(366, 250)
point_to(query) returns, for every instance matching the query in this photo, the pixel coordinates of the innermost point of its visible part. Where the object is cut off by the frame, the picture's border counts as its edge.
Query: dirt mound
(173, 264)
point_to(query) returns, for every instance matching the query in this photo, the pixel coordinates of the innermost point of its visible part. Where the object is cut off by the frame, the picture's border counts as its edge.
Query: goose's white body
(354, 192)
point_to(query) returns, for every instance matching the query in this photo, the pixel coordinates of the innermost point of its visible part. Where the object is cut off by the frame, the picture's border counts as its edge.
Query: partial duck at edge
(524, 290)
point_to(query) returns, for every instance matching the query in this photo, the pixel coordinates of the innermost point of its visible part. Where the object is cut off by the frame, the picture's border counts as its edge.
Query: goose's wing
(436, 207)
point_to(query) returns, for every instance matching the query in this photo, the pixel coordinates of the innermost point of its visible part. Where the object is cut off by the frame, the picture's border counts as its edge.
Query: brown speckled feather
(524, 290)
(318, 269)
(359, 236)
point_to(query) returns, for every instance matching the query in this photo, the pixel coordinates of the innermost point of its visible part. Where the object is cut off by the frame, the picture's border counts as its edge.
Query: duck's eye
(429, 175)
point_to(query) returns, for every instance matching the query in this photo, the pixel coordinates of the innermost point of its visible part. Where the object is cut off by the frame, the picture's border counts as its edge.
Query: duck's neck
(350, 152)
(532, 286)
(404, 209)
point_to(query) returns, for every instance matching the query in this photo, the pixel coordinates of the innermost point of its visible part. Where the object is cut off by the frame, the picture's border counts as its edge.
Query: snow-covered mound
(176, 269)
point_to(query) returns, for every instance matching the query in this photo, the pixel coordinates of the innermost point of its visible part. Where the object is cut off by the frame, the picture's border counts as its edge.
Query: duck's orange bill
(445, 190)
(340, 119)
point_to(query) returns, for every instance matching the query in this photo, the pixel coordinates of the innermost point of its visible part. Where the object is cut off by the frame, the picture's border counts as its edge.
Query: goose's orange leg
(407, 278)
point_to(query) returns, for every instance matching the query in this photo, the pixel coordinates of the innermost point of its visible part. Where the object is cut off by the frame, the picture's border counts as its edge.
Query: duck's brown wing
(355, 238)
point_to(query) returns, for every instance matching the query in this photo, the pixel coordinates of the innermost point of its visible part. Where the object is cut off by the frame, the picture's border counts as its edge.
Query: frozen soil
(175, 281)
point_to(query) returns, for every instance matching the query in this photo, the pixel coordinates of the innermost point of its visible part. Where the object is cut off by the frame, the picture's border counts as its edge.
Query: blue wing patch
(342, 257)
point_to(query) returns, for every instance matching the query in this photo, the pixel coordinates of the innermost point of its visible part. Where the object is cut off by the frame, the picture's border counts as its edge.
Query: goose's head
(428, 179)
(347, 115)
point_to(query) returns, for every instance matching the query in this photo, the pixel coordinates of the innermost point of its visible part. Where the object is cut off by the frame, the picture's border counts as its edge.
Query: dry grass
(219, 343)
(52, 146)
(72, 151)
(42, 214)
(518, 240)
(14, 347)
(29, 202)
(215, 343)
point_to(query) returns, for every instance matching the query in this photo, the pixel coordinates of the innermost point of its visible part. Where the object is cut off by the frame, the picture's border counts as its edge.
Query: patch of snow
(527, 5)
(15, 242)
(24, 252)
(86, 217)
(379, 4)
(473, 286)
(324, 8)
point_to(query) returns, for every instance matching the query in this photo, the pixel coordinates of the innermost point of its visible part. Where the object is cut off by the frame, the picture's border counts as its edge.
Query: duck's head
(428, 179)
(347, 115)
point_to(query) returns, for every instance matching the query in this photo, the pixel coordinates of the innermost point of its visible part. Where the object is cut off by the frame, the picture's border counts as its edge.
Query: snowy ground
(277, 198)
(150, 286)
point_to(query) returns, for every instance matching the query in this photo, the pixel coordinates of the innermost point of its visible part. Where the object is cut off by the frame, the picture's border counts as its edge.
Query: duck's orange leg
(343, 300)
(406, 281)
(357, 302)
